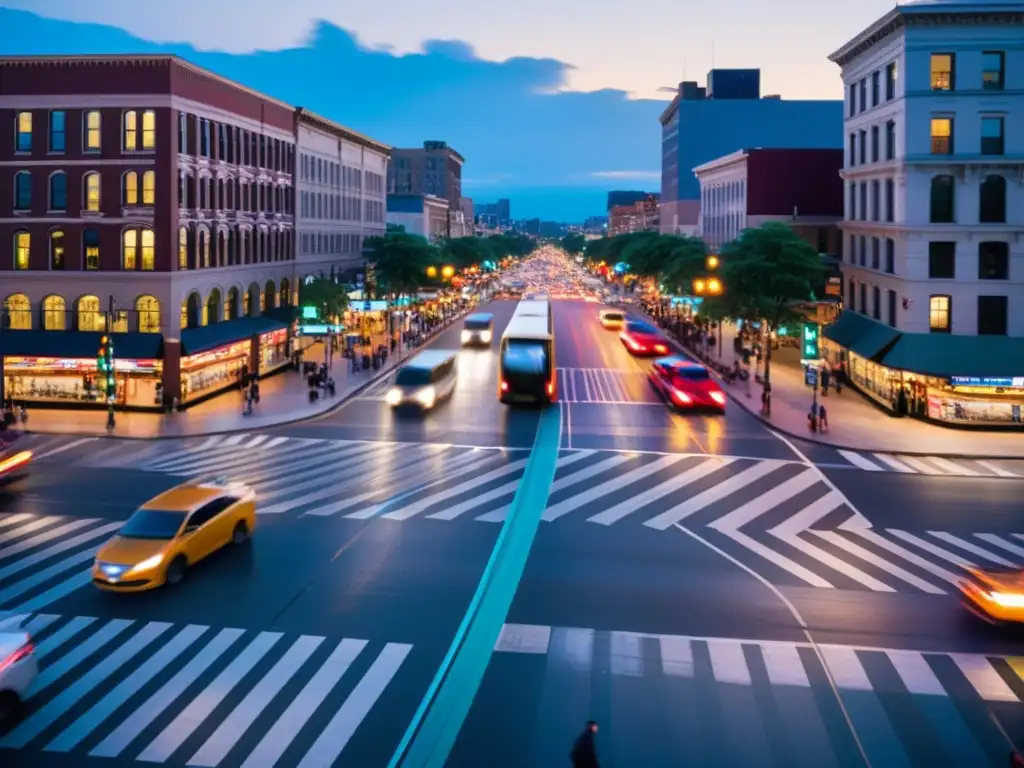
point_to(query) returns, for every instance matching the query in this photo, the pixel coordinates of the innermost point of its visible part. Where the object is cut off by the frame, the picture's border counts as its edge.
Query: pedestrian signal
(810, 349)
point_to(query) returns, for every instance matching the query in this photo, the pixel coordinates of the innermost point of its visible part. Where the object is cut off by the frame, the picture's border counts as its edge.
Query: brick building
(143, 196)
(639, 216)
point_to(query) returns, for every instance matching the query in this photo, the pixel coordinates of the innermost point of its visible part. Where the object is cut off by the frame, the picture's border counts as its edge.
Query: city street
(711, 593)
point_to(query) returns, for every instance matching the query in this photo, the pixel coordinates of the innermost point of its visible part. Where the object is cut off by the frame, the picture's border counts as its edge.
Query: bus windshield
(525, 357)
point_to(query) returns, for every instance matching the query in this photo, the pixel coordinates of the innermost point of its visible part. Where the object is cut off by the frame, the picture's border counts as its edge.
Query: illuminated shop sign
(371, 306)
(274, 337)
(987, 381)
(320, 330)
(58, 364)
(231, 350)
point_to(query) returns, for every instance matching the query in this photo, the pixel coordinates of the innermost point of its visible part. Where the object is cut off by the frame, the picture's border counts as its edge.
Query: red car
(643, 339)
(13, 463)
(686, 385)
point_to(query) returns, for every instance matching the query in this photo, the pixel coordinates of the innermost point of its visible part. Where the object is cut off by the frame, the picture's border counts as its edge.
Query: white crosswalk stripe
(123, 677)
(929, 465)
(604, 385)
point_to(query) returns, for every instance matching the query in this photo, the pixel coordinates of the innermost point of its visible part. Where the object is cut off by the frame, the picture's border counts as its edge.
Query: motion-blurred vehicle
(14, 462)
(174, 531)
(995, 594)
(425, 380)
(612, 319)
(18, 670)
(478, 330)
(526, 357)
(686, 385)
(642, 339)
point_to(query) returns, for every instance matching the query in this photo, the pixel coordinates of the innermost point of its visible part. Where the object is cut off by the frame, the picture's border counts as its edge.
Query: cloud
(509, 118)
(627, 175)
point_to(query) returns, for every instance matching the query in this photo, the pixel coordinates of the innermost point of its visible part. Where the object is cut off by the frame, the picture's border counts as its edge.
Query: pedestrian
(822, 418)
(584, 751)
(825, 377)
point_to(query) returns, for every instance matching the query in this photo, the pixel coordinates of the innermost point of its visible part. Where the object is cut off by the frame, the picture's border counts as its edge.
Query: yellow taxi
(172, 532)
(994, 594)
(612, 319)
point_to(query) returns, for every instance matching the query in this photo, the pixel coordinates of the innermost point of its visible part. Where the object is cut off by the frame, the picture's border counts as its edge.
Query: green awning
(943, 355)
(80, 345)
(861, 335)
(207, 337)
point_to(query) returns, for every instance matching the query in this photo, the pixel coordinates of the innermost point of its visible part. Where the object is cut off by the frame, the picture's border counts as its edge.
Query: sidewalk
(854, 422)
(284, 399)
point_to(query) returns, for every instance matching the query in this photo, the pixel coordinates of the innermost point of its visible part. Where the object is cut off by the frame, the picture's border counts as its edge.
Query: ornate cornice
(305, 117)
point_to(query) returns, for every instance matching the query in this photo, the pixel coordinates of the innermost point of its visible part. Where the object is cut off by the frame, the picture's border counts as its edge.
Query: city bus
(526, 357)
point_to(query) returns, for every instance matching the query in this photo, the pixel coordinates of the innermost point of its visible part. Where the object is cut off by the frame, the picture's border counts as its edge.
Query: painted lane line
(950, 467)
(676, 656)
(904, 554)
(673, 484)
(846, 668)
(276, 473)
(69, 661)
(893, 462)
(784, 667)
(939, 552)
(329, 486)
(57, 592)
(523, 638)
(728, 663)
(916, 673)
(777, 559)
(411, 510)
(766, 502)
(983, 677)
(24, 530)
(681, 511)
(974, 549)
(12, 519)
(841, 542)
(921, 466)
(626, 655)
(354, 467)
(579, 500)
(998, 541)
(498, 515)
(34, 541)
(61, 636)
(52, 551)
(995, 469)
(860, 462)
(809, 515)
(65, 447)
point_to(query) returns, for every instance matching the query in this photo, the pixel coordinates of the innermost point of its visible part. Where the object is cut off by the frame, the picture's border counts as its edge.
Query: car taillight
(15, 461)
(26, 650)
(504, 386)
(660, 348)
(551, 389)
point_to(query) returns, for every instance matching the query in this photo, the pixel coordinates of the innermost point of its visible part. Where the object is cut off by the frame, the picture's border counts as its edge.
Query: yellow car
(994, 594)
(612, 319)
(173, 531)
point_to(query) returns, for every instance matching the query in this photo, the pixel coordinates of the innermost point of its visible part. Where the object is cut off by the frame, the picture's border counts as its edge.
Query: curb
(343, 400)
(756, 413)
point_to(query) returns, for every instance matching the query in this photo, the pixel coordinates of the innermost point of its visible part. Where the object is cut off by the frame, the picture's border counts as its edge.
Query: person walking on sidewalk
(822, 418)
(584, 751)
(826, 376)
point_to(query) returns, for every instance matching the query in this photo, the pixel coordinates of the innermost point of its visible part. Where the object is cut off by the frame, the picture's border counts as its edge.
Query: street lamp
(714, 286)
(712, 262)
(447, 272)
(431, 272)
(699, 286)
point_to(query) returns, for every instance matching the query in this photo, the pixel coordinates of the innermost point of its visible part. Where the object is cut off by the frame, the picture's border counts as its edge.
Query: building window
(991, 135)
(863, 298)
(942, 261)
(91, 248)
(57, 250)
(149, 188)
(942, 71)
(852, 295)
(863, 202)
(876, 79)
(148, 310)
(876, 250)
(942, 135)
(19, 312)
(58, 132)
(130, 249)
(992, 315)
(130, 188)
(22, 250)
(22, 191)
(54, 313)
(942, 202)
(993, 70)
(890, 256)
(90, 318)
(92, 192)
(853, 100)
(862, 146)
(130, 131)
(862, 96)
(892, 308)
(182, 248)
(874, 143)
(23, 132)
(58, 192)
(92, 131)
(939, 313)
(149, 129)
(876, 303)
(890, 200)
(890, 140)
(992, 200)
(876, 205)
(890, 81)
(993, 260)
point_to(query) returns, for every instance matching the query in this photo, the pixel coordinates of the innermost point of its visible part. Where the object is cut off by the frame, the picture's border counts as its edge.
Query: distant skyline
(552, 136)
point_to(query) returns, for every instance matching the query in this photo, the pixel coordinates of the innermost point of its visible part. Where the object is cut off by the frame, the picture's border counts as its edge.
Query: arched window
(204, 248)
(90, 318)
(942, 208)
(149, 188)
(130, 188)
(286, 298)
(252, 301)
(190, 311)
(231, 305)
(138, 249)
(149, 129)
(22, 249)
(54, 314)
(130, 132)
(22, 191)
(19, 312)
(58, 192)
(269, 296)
(182, 248)
(148, 310)
(92, 191)
(213, 307)
(992, 200)
(147, 241)
(57, 249)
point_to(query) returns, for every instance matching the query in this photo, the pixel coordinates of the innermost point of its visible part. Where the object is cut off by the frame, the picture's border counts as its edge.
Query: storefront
(273, 351)
(206, 373)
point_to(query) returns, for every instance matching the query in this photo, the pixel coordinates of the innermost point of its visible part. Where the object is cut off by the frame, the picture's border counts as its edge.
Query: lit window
(938, 314)
(92, 131)
(149, 188)
(23, 132)
(148, 309)
(19, 312)
(129, 249)
(942, 135)
(131, 131)
(22, 249)
(91, 248)
(54, 310)
(130, 189)
(184, 314)
(57, 250)
(148, 250)
(90, 318)
(182, 248)
(149, 129)
(92, 192)
(942, 71)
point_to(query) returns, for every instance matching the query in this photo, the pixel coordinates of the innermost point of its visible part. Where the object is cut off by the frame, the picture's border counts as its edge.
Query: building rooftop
(304, 115)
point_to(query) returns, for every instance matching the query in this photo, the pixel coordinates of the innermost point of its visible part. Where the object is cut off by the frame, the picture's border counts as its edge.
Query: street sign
(811, 376)
(809, 342)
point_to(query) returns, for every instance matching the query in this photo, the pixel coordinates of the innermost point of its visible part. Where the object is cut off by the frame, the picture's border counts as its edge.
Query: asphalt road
(709, 594)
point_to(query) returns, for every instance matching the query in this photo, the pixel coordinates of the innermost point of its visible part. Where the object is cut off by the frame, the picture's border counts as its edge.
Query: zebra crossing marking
(924, 465)
(604, 385)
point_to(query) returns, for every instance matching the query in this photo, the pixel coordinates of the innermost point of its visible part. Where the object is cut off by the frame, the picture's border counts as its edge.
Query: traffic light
(105, 366)
(809, 347)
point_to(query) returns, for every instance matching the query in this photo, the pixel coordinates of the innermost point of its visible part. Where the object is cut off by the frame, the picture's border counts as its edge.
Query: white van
(425, 380)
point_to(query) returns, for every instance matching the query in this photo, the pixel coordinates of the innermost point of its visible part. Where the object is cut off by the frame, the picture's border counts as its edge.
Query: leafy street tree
(400, 261)
(573, 243)
(463, 252)
(328, 296)
(768, 272)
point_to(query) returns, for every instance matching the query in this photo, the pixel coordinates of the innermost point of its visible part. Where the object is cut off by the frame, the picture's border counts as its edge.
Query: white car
(18, 670)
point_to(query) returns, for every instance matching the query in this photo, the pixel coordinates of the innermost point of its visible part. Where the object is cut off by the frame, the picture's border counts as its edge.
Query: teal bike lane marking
(431, 735)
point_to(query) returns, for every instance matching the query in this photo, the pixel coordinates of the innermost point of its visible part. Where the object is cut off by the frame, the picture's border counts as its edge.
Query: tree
(573, 243)
(768, 272)
(686, 261)
(400, 261)
(328, 296)
(463, 252)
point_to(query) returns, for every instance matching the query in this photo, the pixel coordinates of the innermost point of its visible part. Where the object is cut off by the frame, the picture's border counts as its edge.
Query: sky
(551, 103)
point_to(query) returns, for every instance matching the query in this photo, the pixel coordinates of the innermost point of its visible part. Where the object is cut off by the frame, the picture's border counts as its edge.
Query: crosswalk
(192, 694)
(604, 385)
(794, 703)
(931, 465)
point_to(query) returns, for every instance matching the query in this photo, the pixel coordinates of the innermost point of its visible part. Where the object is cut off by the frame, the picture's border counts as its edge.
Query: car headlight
(394, 396)
(466, 337)
(149, 562)
(426, 396)
(1007, 600)
(485, 337)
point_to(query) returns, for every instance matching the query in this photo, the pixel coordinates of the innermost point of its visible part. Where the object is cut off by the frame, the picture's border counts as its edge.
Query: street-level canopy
(861, 335)
(943, 355)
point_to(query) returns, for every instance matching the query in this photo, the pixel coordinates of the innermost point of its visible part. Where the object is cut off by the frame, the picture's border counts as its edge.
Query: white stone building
(341, 197)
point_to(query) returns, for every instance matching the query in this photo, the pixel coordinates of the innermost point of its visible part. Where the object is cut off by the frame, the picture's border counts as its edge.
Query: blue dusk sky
(551, 103)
